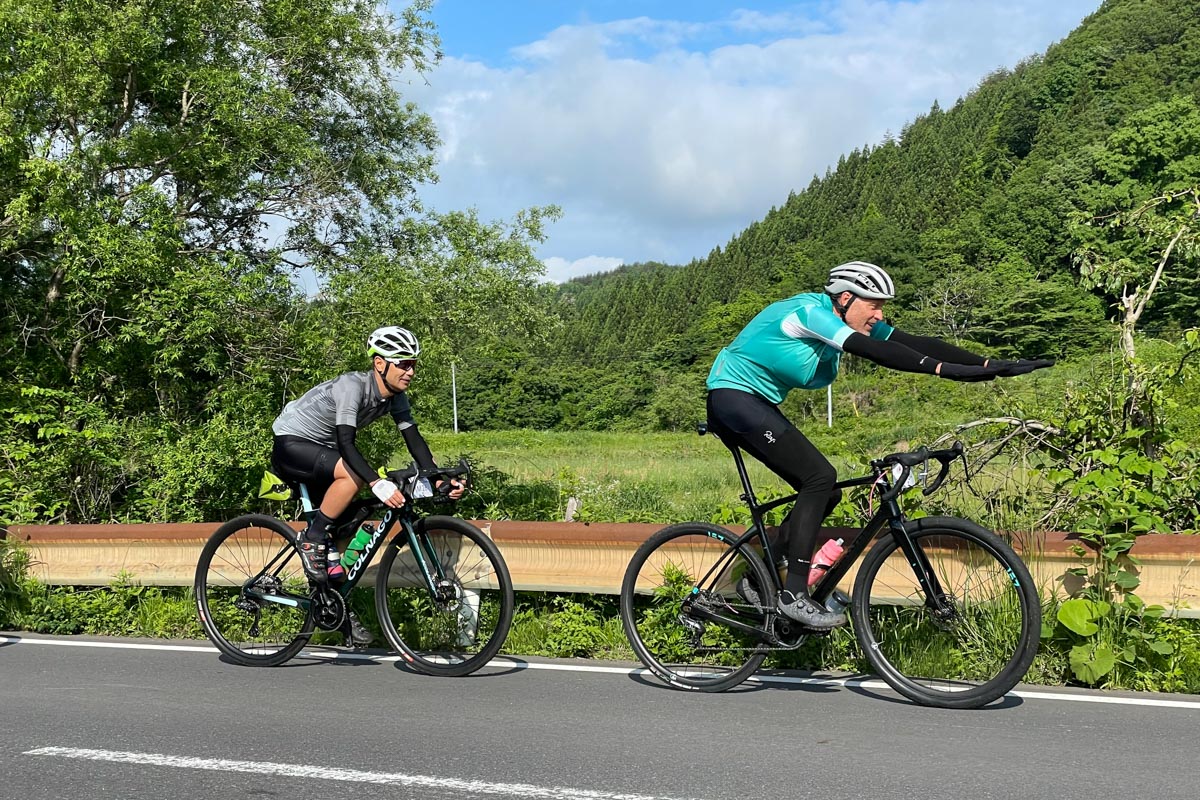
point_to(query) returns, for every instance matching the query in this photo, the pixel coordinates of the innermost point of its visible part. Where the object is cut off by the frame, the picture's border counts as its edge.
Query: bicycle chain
(781, 647)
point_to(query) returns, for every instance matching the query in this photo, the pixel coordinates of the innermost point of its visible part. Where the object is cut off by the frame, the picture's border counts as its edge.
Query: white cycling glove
(383, 489)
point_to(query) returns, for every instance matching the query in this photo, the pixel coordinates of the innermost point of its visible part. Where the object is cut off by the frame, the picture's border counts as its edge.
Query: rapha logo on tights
(770, 437)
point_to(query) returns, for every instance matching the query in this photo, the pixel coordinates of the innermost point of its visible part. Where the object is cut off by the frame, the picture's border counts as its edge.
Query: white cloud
(559, 269)
(658, 151)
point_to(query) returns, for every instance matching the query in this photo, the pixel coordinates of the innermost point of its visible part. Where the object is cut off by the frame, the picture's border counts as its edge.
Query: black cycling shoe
(808, 612)
(312, 558)
(355, 632)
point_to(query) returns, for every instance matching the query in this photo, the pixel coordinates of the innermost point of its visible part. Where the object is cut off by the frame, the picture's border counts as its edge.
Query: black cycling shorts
(300, 460)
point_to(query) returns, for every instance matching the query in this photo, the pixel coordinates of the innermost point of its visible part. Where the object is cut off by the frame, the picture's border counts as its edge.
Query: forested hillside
(165, 171)
(983, 212)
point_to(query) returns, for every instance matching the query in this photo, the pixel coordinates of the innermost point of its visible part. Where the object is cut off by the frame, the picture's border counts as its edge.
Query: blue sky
(662, 129)
(482, 31)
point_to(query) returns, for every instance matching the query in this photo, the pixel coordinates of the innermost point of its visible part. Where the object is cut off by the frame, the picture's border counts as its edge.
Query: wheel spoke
(249, 629)
(676, 608)
(971, 644)
(459, 625)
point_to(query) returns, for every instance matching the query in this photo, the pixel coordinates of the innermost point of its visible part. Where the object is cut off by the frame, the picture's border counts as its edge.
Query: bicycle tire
(431, 634)
(967, 659)
(234, 621)
(652, 615)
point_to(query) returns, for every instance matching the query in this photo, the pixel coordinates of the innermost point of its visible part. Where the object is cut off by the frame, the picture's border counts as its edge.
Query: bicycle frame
(889, 517)
(354, 516)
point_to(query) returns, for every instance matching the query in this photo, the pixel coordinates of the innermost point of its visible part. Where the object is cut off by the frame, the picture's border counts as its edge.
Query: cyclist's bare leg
(314, 542)
(339, 494)
(337, 499)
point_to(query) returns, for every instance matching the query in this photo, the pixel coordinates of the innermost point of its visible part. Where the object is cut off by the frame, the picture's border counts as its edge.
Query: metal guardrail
(542, 556)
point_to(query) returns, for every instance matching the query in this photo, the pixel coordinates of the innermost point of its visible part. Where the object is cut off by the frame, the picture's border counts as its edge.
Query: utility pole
(454, 394)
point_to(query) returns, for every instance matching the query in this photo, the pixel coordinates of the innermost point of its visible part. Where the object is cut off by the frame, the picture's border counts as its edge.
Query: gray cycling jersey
(350, 399)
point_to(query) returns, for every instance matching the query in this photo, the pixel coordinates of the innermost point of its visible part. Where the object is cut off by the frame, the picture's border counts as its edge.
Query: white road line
(334, 774)
(506, 662)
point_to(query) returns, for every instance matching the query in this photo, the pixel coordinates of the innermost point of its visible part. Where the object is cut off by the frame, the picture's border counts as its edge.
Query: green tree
(163, 168)
(470, 290)
(1140, 215)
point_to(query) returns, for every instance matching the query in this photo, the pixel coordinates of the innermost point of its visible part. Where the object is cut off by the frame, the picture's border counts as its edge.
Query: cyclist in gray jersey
(315, 433)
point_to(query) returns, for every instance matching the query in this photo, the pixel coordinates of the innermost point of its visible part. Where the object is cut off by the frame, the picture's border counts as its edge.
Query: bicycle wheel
(464, 625)
(981, 641)
(701, 649)
(251, 592)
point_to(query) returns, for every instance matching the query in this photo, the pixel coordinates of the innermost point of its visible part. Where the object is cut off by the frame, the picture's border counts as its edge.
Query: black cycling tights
(748, 421)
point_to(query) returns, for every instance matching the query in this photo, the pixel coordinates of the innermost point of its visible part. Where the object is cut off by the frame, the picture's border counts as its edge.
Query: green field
(616, 477)
(673, 477)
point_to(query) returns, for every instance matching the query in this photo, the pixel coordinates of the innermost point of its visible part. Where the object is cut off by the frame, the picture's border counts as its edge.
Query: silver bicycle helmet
(861, 278)
(393, 342)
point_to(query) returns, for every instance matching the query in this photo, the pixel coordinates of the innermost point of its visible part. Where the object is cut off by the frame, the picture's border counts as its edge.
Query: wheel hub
(449, 595)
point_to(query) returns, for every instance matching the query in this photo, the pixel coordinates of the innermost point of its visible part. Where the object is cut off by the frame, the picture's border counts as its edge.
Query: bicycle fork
(918, 561)
(443, 592)
(424, 555)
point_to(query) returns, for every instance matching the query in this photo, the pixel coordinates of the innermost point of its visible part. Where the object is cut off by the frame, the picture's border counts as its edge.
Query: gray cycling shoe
(808, 612)
(747, 589)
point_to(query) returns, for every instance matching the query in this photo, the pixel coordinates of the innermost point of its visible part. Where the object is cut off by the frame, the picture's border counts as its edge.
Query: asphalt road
(131, 719)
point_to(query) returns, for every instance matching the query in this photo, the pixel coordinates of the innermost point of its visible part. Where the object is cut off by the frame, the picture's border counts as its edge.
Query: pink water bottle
(830, 552)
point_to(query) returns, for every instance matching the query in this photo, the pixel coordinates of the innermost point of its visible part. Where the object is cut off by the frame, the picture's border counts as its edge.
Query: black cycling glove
(1020, 367)
(967, 372)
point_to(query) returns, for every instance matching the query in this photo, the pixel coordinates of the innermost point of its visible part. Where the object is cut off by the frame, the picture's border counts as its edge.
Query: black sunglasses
(403, 364)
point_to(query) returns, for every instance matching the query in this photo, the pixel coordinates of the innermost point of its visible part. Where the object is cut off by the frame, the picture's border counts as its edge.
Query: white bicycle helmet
(393, 342)
(861, 278)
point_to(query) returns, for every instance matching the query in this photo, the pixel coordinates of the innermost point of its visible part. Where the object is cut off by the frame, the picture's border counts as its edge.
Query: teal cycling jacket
(792, 344)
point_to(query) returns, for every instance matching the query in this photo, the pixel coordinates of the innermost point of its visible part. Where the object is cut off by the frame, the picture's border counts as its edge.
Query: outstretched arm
(942, 351)
(896, 355)
(946, 352)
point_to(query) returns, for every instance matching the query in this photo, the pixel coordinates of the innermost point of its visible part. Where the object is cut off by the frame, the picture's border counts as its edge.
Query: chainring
(329, 610)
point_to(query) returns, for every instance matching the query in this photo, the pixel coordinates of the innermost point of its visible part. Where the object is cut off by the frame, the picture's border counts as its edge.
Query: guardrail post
(469, 630)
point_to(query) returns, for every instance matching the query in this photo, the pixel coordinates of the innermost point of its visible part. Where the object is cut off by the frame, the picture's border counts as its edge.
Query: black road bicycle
(443, 593)
(944, 610)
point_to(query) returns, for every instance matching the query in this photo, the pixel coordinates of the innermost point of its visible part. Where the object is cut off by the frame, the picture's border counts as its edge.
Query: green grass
(615, 477)
(675, 477)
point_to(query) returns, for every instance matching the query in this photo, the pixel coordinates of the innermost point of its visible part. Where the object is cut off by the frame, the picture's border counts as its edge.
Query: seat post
(747, 489)
(306, 506)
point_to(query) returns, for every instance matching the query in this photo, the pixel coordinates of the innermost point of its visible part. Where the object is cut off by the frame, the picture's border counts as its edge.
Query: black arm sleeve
(889, 353)
(418, 447)
(940, 350)
(349, 453)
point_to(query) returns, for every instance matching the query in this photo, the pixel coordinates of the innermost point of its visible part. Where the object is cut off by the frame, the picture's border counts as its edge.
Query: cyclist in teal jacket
(797, 343)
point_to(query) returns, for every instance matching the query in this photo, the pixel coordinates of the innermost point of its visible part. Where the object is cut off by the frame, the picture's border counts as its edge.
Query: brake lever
(928, 490)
